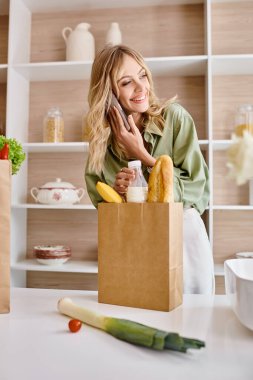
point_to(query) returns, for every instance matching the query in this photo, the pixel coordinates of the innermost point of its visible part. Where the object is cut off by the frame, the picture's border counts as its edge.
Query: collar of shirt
(151, 132)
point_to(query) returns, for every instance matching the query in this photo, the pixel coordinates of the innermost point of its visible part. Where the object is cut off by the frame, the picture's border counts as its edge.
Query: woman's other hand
(122, 180)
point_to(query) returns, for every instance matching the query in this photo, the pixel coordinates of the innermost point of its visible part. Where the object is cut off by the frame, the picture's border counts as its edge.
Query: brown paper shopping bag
(5, 196)
(140, 255)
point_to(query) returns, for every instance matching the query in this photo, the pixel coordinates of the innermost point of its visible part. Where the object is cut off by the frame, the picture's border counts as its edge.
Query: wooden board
(54, 280)
(219, 285)
(232, 234)
(4, 24)
(46, 167)
(2, 107)
(163, 30)
(69, 96)
(229, 92)
(74, 228)
(191, 95)
(232, 25)
(226, 192)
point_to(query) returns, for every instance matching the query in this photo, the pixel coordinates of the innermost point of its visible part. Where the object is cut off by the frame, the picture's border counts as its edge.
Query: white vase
(251, 191)
(80, 44)
(113, 35)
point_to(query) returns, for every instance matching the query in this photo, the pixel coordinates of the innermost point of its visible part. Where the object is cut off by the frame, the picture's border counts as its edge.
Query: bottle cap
(134, 164)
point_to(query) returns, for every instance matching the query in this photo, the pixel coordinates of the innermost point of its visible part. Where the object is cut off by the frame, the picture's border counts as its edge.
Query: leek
(129, 331)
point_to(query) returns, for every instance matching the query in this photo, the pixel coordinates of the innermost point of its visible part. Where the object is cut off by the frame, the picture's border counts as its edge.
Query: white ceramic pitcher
(80, 44)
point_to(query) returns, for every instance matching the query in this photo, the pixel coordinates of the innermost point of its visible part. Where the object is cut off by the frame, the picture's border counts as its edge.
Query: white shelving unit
(22, 74)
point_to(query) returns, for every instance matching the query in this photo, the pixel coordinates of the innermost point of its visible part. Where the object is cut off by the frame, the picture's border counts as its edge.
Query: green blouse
(179, 140)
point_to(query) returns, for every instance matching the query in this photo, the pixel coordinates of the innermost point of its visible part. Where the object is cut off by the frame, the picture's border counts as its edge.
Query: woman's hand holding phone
(131, 141)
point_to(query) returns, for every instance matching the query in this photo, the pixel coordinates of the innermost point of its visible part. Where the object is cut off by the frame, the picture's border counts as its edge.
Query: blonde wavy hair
(103, 81)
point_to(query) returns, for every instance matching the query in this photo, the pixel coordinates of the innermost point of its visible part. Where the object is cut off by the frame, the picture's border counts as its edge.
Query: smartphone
(115, 103)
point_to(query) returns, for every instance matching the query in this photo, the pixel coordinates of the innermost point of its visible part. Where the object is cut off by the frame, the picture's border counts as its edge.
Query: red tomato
(75, 325)
(4, 152)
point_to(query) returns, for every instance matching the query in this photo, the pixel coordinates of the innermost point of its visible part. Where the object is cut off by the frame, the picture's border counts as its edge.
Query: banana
(108, 193)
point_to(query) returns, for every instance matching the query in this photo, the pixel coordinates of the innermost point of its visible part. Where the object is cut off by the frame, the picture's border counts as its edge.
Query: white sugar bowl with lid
(57, 193)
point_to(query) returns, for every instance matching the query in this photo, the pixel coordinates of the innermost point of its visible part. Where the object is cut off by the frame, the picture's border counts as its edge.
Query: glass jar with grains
(53, 126)
(85, 129)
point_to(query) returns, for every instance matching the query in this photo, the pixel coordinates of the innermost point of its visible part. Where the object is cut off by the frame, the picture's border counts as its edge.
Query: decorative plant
(240, 158)
(11, 149)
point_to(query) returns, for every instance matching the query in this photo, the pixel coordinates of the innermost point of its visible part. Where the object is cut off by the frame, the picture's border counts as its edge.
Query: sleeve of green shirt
(91, 180)
(191, 178)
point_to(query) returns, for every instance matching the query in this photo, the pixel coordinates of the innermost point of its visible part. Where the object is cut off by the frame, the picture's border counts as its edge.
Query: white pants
(197, 255)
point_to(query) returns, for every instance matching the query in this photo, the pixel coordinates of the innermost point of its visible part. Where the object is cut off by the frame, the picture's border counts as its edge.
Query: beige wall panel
(70, 96)
(232, 233)
(2, 107)
(76, 229)
(228, 93)
(205, 216)
(232, 25)
(166, 30)
(4, 24)
(55, 280)
(219, 285)
(226, 192)
(191, 95)
(46, 167)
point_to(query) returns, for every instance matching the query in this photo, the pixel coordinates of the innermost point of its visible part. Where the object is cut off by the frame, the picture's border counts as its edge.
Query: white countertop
(35, 343)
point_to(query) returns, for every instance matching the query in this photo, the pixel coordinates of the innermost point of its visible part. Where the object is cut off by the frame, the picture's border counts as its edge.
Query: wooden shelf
(241, 64)
(181, 66)
(221, 144)
(54, 207)
(49, 6)
(73, 147)
(58, 71)
(233, 207)
(219, 269)
(54, 71)
(77, 266)
(71, 266)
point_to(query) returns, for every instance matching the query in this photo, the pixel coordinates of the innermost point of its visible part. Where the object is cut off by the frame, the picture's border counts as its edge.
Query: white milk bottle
(138, 189)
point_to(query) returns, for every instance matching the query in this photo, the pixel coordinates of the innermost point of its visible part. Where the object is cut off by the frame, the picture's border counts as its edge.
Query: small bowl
(52, 254)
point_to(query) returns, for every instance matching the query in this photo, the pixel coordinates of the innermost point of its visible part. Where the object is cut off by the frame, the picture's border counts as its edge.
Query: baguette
(160, 184)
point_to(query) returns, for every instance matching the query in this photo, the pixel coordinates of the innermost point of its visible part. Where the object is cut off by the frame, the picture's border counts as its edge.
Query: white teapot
(57, 193)
(80, 44)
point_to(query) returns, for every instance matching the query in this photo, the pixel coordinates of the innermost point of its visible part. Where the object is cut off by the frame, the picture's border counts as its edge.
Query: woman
(155, 129)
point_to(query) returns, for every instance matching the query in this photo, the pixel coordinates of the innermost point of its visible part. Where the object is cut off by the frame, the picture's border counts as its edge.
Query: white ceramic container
(57, 193)
(80, 43)
(239, 288)
(113, 35)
